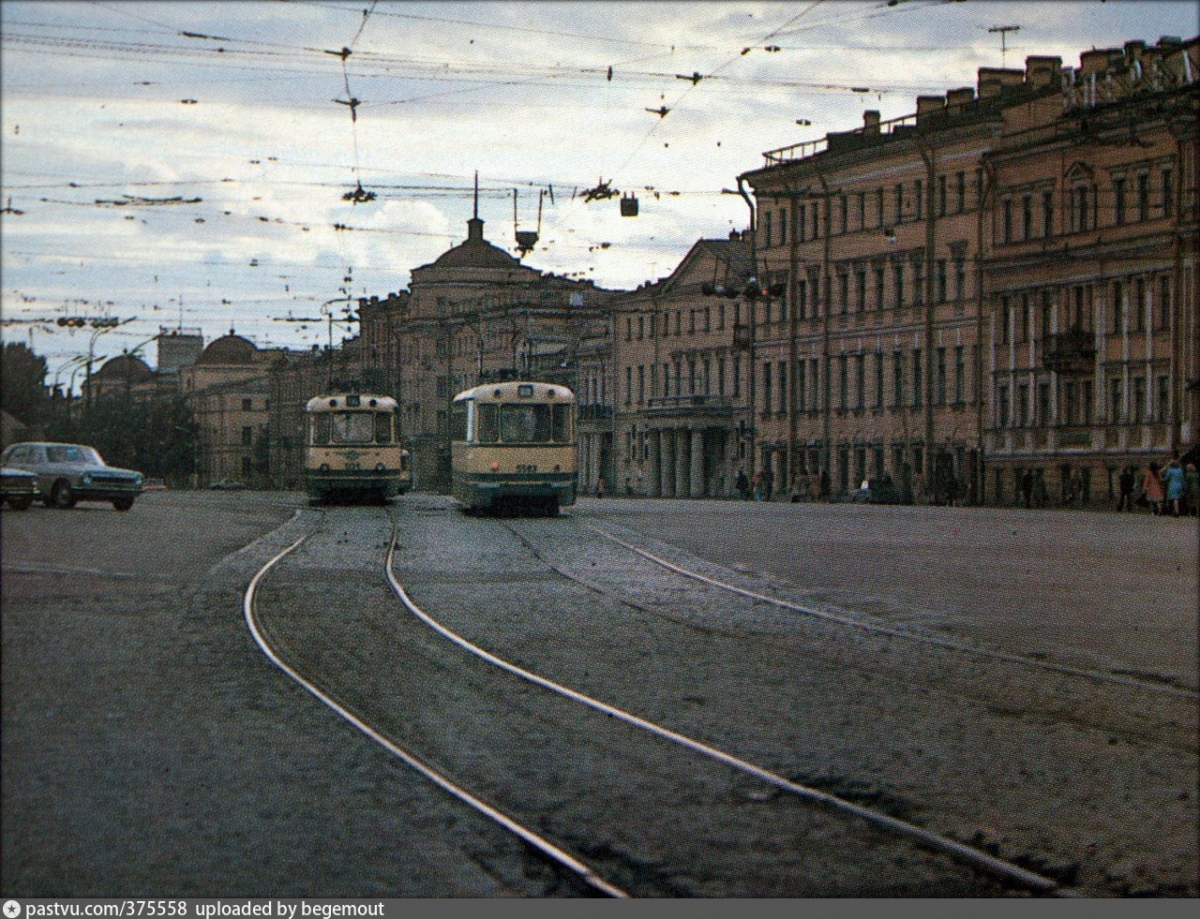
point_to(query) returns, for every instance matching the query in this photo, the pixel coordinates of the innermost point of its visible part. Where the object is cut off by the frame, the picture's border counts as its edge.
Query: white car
(68, 473)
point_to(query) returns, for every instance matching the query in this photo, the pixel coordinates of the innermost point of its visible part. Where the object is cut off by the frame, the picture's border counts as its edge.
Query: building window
(843, 383)
(879, 207)
(1139, 305)
(629, 328)
(1115, 415)
(814, 377)
(1047, 213)
(862, 210)
(960, 279)
(641, 327)
(879, 296)
(1143, 196)
(898, 276)
(879, 379)
(960, 192)
(919, 281)
(1164, 303)
(766, 387)
(737, 376)
(247, 436)
(1118, 201)
(641, 383)
(1027, 217)
(916, 372)
(941, 196)
(960, 373)
(1002, 408)
(802, 222)
(247, 405)
(247, 467)
(628, 385)
(897, 379)
(1139, 400)
(1006, 221)
(1164, 398)
(860, 381)
(941, 280)
(844, 293)
(940, 384)
(767, 229)
(918, 199)
(783, 388)
(816, 223)
(899, 202)
(801, 395)
(845, 209)
(720, 376)
(1116, 310)
(1168, 194)
(860, 289)
(1023, 405)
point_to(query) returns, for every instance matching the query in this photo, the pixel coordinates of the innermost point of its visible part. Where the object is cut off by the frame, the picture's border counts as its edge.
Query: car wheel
(122, 504)
(20, 502)
(63, 496)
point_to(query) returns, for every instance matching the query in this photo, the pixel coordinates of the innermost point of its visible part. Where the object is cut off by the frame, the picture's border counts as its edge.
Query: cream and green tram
(352, 449)
(513, 447)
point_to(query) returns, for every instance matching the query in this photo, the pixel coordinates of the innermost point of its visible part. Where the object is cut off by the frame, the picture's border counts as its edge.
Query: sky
(240, 165)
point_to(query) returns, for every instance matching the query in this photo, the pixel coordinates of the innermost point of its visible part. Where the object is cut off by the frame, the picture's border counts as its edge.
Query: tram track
(1010, 875)
(1166, 718)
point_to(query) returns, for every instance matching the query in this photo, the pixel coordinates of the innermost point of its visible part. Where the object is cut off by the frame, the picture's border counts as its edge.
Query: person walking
(758, 486)
(1191, 484)
(1027, 487)
(743, 485)
(1125, 482)
(1152, 488)
(1173, 486)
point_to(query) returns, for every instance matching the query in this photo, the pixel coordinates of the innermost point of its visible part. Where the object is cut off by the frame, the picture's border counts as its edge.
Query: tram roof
(338, 402)
(516, 391)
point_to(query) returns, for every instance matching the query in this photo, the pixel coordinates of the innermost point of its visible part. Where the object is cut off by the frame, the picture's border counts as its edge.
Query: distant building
(178, 348)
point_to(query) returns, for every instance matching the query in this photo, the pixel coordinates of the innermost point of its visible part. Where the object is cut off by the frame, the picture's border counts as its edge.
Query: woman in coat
(1152, 487)
(1174, 484)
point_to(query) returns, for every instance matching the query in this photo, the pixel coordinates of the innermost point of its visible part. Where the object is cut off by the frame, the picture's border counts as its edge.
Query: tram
(513, 448)
(352, 449)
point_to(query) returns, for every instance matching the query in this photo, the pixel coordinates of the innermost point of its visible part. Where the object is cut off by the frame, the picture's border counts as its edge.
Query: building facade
(682, 355)
(1090, 277)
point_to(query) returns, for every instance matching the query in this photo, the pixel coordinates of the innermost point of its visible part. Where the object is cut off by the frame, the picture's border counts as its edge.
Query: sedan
(18, 488)
(68, 473)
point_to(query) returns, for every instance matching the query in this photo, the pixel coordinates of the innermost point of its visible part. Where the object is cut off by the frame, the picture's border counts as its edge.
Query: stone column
(667, 466)
(681, 464)
(698, 463)
(654, 479)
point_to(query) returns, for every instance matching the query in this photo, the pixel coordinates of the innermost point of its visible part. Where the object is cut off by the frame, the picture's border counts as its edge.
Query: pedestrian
(743, 485)
(1152, 488)
(768, 484)
(1174, 484)
(758, 486)
(1027, 487)
(1191, 480)
(600, 487)
(1125, 482)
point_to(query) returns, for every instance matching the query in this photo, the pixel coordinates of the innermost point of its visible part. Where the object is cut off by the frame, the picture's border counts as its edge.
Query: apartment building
(1091, 341)
(682, 354)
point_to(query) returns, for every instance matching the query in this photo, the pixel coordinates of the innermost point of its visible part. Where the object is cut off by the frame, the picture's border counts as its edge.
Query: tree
(23, 384)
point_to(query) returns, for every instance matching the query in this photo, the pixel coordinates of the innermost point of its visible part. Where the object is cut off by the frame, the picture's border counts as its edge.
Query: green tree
(23, 383)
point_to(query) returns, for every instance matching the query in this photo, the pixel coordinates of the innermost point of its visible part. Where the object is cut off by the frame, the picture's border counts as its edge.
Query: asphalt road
(148, 749)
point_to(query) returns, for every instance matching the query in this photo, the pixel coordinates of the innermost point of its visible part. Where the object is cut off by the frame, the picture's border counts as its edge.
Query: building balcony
(690, 405)
(1072, 352)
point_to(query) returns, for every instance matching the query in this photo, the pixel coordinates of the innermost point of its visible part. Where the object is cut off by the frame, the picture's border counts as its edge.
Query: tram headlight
(495, 467)
(324, 467)
(379, 467)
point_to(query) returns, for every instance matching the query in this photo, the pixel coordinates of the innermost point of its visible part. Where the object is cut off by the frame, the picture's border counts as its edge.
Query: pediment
(1079, 172)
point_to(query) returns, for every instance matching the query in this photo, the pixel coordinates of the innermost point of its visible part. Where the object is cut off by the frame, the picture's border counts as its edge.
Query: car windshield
(73, 454)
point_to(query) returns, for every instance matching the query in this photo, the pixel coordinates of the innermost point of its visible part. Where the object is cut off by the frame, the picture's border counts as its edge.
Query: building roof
(126, 367)
(229, 349)
(475, 252)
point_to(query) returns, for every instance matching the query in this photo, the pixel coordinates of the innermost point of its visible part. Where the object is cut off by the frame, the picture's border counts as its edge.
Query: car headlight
(86, 478)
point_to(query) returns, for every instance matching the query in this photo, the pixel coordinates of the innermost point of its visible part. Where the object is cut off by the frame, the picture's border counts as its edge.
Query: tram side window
(353, 428)
(321, 426)
(525, 423)
(383, 428)
(561, 433)
(458, 421)
(487, 430)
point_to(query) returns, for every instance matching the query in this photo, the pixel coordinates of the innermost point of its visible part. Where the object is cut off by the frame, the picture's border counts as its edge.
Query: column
(667, 466)
(681, 469)
(654, 483)
(697, 462)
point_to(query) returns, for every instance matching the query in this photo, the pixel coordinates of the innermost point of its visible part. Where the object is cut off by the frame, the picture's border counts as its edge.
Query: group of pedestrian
(1174, 490)
(760, 489)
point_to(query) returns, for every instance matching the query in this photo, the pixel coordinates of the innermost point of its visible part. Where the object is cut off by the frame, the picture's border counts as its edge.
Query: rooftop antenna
(1004, 30)
(476, 214)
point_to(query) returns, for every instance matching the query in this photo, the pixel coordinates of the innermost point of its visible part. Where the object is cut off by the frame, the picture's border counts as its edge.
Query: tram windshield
(523, 424)
(351, 428)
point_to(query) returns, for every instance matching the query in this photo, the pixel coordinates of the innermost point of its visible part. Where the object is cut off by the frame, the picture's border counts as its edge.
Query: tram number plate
(526, 467)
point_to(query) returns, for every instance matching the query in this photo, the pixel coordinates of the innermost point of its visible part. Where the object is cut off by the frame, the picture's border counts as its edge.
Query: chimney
(1096, 61)
(1133, 51)
(1042, 71)
(992, 80)
(961, 96)
(871, 122)
(927, 105)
